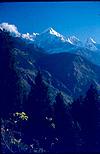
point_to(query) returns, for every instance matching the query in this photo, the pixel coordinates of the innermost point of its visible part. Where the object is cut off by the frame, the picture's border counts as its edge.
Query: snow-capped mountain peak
(90, 44)
(52, 32)
(91, 40)
(74, 41)
(48, 30)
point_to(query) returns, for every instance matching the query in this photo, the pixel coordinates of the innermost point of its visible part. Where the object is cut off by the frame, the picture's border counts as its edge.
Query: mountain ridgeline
(49, 93)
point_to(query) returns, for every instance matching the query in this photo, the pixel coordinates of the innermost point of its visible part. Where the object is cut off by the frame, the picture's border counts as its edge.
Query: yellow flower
(17, 113)
(22, 115)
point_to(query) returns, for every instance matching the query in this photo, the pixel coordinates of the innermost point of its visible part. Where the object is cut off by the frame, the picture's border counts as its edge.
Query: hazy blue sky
(81, 19)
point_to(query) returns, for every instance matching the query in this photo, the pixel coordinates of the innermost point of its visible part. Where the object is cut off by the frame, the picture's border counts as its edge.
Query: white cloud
(10, 28)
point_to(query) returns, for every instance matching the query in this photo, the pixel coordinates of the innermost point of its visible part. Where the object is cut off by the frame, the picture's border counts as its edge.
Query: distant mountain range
(53, 42)
(67, 64)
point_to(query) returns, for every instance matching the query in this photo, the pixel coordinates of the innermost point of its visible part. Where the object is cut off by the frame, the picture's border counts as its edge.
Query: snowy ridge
(74, 40)
(29, 36)
(50, 40)
(90, 44)
(92, 40)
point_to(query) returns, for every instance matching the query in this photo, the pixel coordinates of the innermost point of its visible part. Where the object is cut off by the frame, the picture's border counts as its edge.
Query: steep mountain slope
(74, 71)
(67, 72)
(91, 55)
(25, 56)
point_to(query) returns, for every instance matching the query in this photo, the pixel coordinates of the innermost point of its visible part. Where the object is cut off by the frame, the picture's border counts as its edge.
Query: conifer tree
(38, 106)
(63, 125)
(39, 98)
(75, 110)
(89, 118)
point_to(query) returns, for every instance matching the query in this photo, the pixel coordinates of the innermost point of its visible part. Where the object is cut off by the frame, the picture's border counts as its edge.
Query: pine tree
(76, 108)
(63, 125)
(39, 98)
(38, 107)
(89, 118)
(60, 112)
